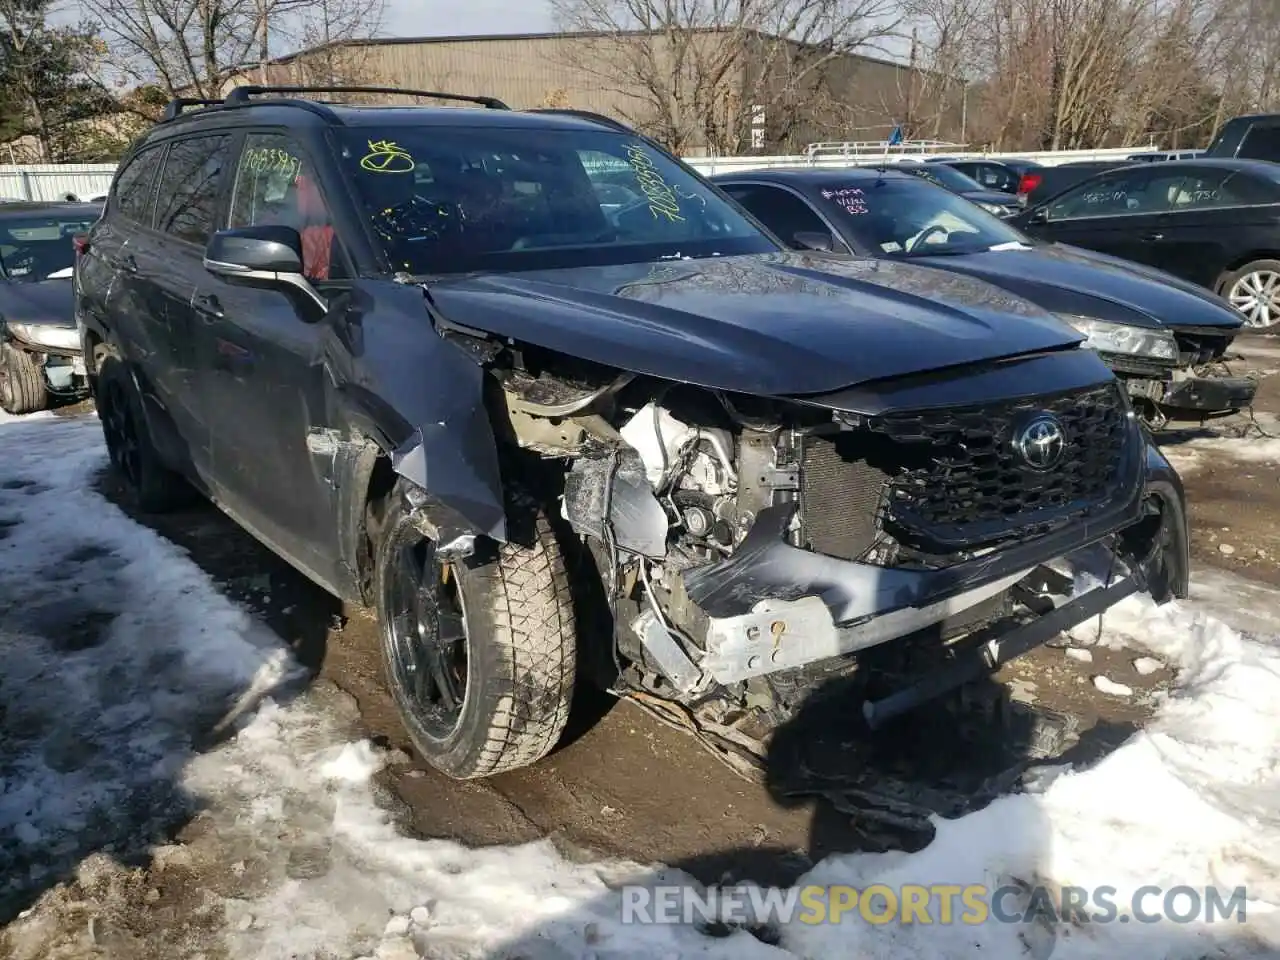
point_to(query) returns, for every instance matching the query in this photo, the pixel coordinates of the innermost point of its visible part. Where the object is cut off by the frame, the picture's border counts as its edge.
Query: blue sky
(424, 18)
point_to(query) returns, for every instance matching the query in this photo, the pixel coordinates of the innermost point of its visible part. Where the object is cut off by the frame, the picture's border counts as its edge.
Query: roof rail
(584, 115)
(173, 109)
(239, 95)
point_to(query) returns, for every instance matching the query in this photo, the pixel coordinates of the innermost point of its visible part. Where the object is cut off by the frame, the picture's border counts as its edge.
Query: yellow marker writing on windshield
(386, 156)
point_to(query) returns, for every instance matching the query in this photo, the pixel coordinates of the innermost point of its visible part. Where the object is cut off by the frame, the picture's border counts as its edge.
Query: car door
(1114, 212)
(169, 263)
(103, 277)
(263, 380)
(1217, 216)
(785, 213)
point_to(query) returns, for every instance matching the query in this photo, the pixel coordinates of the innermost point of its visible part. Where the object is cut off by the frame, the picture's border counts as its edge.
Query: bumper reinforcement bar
(976, 662)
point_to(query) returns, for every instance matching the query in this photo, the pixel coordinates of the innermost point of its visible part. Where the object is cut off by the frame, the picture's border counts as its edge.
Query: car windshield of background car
(912, 218)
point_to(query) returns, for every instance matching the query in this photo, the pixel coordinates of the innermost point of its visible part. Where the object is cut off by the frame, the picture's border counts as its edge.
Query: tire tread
(27, 379)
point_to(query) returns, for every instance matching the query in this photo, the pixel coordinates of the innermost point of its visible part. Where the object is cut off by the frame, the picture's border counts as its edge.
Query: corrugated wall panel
(55, 181)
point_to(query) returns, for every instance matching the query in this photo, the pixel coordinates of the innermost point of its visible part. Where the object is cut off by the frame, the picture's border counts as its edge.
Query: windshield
(912, 218)
(485, 198)
(39, 248)
(943, 176)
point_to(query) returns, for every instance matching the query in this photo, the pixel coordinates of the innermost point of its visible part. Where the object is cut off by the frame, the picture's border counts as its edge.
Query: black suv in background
(441, 359)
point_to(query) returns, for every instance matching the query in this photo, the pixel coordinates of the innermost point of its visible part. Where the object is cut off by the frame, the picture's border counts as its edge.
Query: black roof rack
(174, 107)
(584, 115)
(239, 95)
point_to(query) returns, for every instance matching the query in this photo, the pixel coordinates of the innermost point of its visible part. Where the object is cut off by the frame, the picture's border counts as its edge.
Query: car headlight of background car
(1122, 338)
(50, 335)
(995, 209)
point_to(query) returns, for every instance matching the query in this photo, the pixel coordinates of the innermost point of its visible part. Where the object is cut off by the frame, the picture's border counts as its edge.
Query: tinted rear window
(135, 185)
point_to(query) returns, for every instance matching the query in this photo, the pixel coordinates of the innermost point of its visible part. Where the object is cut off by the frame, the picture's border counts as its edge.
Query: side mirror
(265, 254)
(814, 240)
(1038, 215)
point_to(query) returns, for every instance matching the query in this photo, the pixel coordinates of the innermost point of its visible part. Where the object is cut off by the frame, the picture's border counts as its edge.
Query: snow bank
(105, 725)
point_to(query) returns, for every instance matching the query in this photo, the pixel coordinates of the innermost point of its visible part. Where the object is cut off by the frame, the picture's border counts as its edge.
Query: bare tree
(191, 47)
(701, 71)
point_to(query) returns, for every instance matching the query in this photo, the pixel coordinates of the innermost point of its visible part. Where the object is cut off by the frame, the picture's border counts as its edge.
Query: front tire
(480, 653)
(22, 388)
(1254, 290)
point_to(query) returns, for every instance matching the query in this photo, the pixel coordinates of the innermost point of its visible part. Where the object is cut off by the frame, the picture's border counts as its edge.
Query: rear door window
(135, 186)
(190, 185)
(782, 212)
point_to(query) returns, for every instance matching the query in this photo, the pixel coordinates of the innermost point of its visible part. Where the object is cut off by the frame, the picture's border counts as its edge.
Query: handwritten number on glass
(663, 201)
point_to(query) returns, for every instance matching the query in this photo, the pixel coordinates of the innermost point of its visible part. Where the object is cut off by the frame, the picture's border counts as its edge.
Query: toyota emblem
(1041, 442)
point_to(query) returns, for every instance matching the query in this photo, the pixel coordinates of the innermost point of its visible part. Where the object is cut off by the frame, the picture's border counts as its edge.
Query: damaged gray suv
(563, 413)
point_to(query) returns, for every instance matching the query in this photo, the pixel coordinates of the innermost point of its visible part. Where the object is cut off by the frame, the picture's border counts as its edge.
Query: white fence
(85, 180)
(55, 181)
(713, 165)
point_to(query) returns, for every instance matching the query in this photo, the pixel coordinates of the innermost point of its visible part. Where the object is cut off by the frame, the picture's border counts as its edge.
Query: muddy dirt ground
(624, 785)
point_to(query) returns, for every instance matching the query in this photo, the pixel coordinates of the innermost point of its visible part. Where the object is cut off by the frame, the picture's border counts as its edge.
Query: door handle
(209, 307)
(1154, 236)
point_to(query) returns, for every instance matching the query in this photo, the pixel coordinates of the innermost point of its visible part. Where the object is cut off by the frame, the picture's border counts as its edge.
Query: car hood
(1065, 279)
(47, 301)
(774, 325)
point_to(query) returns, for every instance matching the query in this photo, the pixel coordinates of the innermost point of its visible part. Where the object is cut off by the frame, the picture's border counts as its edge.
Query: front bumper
(1211, 394)
(1180, 391)
(773, 606)
(61, 342)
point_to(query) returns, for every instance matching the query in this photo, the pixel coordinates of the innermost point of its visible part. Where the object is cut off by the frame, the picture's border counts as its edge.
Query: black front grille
(940, 481)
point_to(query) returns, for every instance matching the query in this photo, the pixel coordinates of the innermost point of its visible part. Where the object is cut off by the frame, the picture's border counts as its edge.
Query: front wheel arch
(521, 642)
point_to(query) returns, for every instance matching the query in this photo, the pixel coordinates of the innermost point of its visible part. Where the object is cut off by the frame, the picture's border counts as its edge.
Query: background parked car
(1161, 156)
(1002, 175)
(1156, 332)
(39, 346)
(1250, 137)
(1215, 223)
(992, 201)
(1041, 184)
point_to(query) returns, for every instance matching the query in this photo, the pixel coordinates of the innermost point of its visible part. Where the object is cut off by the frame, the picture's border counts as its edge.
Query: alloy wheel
(121, 433)
(1257, 296)
(428, 637)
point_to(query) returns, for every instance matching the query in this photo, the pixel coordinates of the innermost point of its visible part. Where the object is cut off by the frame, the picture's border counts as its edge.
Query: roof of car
(814, 176)
(298, 112)
(1263, 168)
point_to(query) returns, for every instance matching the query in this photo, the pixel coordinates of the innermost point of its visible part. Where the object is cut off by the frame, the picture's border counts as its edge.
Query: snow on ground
(1256, 443)
(118, 657)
